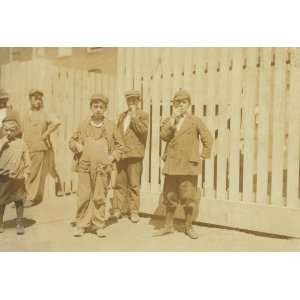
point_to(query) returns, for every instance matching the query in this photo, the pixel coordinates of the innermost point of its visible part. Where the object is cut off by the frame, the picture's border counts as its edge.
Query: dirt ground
(49, 228)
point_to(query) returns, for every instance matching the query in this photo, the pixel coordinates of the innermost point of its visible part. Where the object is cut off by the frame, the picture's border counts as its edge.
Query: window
(63, 52)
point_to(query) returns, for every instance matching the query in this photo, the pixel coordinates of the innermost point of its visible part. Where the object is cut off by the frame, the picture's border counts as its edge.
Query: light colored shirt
(180, 122)
(126, 122)
(14, 159)
(3, 113)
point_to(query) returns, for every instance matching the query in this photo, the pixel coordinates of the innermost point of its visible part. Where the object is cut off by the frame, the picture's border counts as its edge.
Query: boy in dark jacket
(182, 160)
(133, 127)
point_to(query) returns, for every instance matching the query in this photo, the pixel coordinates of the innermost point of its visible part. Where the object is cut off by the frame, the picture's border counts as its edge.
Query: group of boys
(107, 153)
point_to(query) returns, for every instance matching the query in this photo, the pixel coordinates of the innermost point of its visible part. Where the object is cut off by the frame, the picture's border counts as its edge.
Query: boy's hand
(79, 148)
(5, 140)
(44, 136)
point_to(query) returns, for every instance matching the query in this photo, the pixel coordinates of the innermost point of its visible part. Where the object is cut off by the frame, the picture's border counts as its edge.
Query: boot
(134, 217)
(101, 233)
(189, 231)
(28, 203)
(20, 227)
(117, 214)
(19, 211)
(169, 223)
(78, 232)
(58, 188)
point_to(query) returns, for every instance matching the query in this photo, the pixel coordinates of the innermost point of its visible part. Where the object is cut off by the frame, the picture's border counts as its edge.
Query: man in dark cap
(133, 126)
(38, 126)
(96, 145)
(182, 161)
(6, 110)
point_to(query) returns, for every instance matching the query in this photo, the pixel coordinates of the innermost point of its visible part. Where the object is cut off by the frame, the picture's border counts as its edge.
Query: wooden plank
(263, 126)
(146, 98)
(249, 123)
(210, 110)
(222, 139)
(121, 68)
(278, 124)
(235, 117)
(293, 143)
(156, 102)
(201, 85)
(129, 52)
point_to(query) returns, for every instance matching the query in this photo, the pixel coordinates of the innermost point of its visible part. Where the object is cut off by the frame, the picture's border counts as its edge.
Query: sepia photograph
(149, 149)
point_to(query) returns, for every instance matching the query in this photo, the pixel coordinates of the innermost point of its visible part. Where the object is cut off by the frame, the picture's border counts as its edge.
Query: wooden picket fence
(66, 94)
(248, 97)
(250, 100)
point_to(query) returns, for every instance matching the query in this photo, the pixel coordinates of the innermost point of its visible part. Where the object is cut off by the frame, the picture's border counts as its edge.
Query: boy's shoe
(2, 227)
(28, 203)
(134, 217)
(117, 214)
(101, 233)
(58, 188)
(20, 227)
(164, 231)
(190, 232)
(78, 232)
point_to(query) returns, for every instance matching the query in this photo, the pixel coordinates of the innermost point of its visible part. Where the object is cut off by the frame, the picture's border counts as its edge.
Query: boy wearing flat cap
(96, 146)
(182, 161)
(38, 127)
(133, 126)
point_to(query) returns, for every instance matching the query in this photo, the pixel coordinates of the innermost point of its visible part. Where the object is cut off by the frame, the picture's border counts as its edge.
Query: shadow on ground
(12, 223)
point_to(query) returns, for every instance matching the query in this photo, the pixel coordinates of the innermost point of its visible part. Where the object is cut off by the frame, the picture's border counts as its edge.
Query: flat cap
(35, 92)
(3, 94)
(133, 94)
(182, 95)
(12, 116)
(99, 97)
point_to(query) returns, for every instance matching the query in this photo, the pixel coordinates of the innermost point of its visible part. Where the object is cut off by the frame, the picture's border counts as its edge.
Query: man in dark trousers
(133, 125)
(38, 125)
(182, 161)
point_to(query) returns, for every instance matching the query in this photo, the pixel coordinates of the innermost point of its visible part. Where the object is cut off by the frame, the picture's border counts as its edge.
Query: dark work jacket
(182, 153)
(135, 137)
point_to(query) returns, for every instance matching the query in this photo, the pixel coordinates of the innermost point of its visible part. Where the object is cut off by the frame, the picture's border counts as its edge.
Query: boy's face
(98, 109)
(181, 106)
(36, 101)
(10, 129)
(132, 102)
(3, 103)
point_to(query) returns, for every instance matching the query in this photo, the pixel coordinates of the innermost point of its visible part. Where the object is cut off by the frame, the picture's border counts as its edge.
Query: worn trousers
(42, 163)
(180, 189)
(127, 187)
(92, 192)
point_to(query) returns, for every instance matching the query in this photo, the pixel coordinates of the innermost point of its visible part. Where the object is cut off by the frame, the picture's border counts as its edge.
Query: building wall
(102, 61)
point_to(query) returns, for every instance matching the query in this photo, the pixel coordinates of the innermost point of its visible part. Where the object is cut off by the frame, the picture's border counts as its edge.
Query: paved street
(48, 228)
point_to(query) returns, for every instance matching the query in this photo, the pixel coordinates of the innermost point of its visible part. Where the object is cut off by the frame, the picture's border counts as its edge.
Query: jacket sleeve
(2, 144)
(166, 131)
(206, 139)
(75, 139)
(118, 147)
(140, 124)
